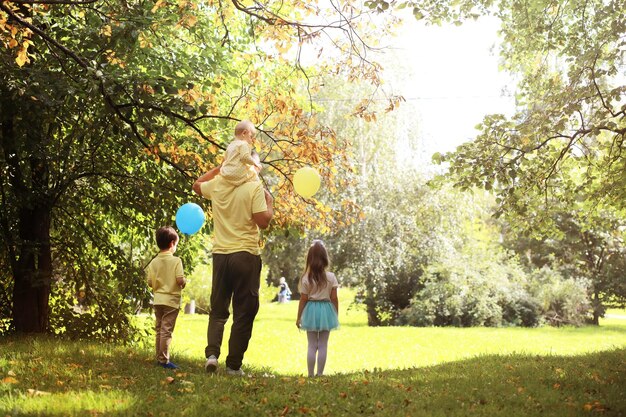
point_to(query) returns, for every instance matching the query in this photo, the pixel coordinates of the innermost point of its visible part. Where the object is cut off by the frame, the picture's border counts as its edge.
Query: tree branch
(70, 2)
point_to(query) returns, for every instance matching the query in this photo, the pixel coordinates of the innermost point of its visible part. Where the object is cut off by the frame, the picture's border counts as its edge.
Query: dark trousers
(236, 276)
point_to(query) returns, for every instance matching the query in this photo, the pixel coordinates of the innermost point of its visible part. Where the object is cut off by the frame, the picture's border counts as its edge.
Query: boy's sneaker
(211, 364)
(234, 372)
(169, 365)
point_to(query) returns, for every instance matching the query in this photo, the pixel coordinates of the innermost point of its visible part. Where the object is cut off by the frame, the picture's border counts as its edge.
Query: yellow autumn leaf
(158, 5)
(106, 30)
(22, 58)
(12, 43)
(189, 21)
(9, 380)
(144, 42)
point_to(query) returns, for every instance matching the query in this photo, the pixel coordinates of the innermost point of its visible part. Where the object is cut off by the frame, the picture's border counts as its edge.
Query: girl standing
(319, 305)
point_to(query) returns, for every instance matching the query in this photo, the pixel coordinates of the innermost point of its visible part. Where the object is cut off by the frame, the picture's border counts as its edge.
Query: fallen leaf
(36, 393)
(11, 373)
(9, 380)
(343, 394)
(285, 411)
(169, 380)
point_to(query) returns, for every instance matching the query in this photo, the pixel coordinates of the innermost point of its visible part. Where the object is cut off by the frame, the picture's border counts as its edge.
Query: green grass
(372, 371)
(277, 344)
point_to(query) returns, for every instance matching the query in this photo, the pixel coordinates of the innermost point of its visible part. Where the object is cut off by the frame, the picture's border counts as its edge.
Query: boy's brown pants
(165, 322)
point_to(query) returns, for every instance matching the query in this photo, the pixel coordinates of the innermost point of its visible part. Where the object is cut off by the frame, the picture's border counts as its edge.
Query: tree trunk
(23, 143)
(33, 273)
(373, 319)
(597, 307)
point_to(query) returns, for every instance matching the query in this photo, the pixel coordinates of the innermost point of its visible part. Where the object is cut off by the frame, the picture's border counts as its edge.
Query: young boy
(166, 278)
(239, 166)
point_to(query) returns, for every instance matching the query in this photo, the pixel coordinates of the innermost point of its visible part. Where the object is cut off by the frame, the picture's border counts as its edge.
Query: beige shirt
(162, 272)
(318, 294)
(233, 206)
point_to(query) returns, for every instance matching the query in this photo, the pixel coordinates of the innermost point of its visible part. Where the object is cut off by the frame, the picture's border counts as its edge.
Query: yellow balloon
(306, 181)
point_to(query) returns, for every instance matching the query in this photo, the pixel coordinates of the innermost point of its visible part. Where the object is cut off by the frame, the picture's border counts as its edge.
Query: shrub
(199, 287)
(562, 300)
(108, 319)
(475, 289)
(522, 311)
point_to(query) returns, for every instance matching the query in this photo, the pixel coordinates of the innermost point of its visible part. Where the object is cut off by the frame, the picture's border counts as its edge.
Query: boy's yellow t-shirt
(233, 206)
(162, 273)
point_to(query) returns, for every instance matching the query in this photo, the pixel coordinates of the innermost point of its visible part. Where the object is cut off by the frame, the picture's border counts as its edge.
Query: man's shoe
(169, 365)
(234, 372)
(211, 364)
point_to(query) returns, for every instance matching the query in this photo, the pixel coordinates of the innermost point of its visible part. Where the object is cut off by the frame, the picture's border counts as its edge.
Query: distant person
(284, 293)
(238, 213)
(166, 278)
(319, 306)
(239, 165)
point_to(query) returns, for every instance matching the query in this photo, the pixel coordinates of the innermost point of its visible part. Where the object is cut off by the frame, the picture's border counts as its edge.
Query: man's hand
(212, 173)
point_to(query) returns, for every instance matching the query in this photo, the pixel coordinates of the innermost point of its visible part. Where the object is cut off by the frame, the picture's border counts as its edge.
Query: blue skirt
(318, 316)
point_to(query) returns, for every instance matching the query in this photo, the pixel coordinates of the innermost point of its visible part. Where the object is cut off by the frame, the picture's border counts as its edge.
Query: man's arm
(204, 178)
(263, 218)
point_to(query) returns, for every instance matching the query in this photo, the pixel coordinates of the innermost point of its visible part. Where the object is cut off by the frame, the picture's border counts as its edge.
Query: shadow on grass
(49, 377)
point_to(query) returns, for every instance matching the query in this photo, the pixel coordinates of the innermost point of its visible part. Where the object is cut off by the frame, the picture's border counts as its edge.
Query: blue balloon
(189, 218)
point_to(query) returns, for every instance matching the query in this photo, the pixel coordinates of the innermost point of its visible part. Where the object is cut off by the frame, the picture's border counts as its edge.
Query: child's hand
(181, 281)
(298, 323)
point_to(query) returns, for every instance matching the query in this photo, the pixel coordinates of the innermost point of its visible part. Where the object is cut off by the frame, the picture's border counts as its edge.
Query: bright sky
(450, 79)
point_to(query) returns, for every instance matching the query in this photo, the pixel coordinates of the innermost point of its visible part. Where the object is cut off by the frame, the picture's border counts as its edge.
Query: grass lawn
(278, 345)
(371, 371)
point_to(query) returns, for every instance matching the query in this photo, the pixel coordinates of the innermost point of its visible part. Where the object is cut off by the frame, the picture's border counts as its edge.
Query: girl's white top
(315, 293)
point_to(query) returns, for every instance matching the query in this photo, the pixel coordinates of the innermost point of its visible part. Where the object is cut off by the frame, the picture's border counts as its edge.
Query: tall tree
(109, 109)
(557, 164)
